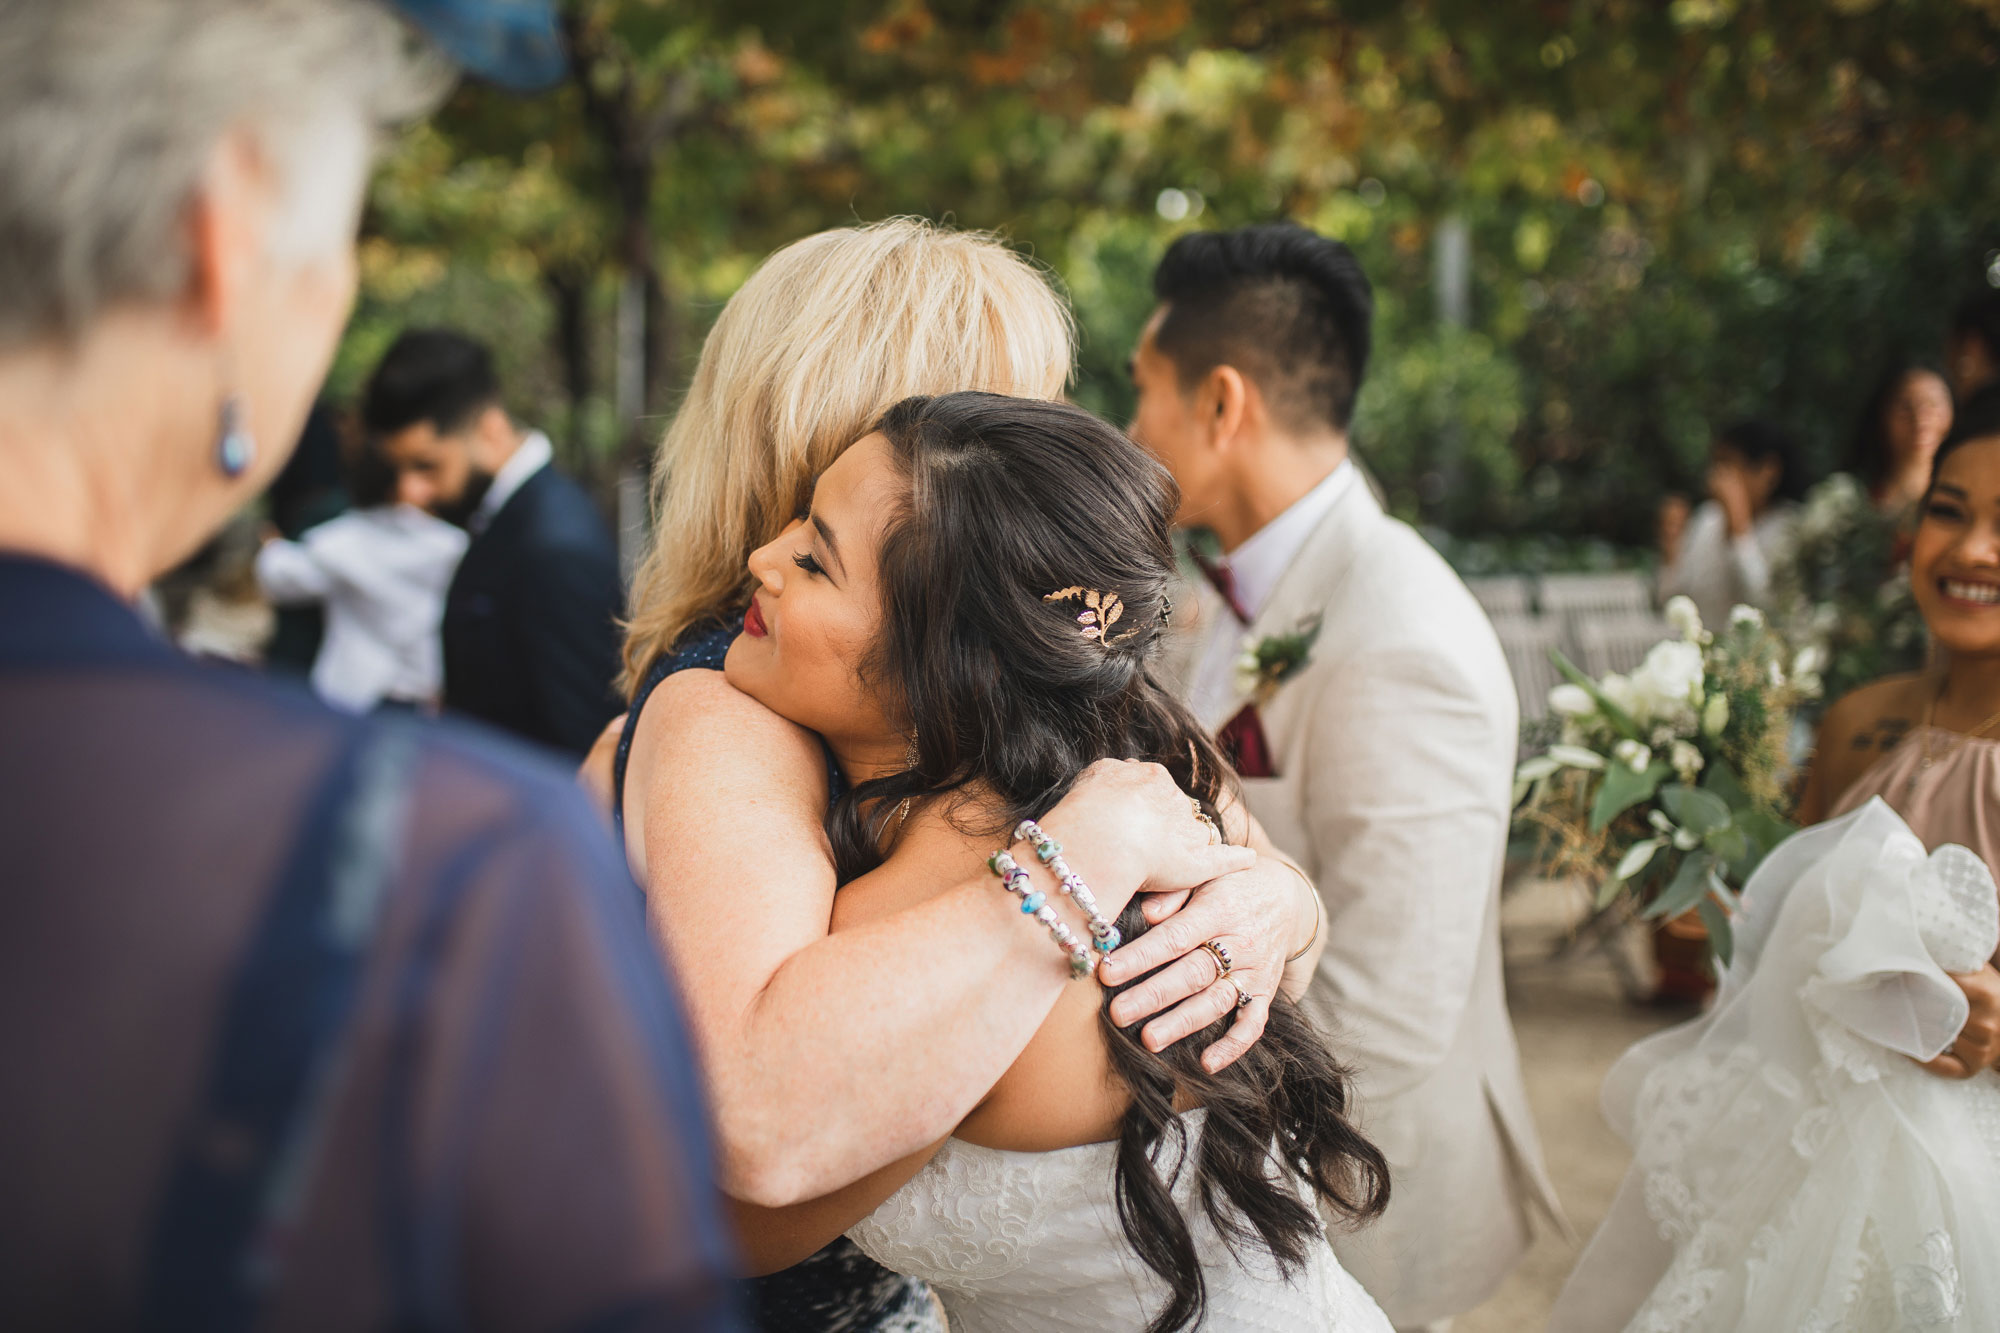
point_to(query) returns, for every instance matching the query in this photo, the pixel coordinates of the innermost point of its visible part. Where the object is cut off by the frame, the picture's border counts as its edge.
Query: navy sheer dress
(310, 1021)
(839, 1289)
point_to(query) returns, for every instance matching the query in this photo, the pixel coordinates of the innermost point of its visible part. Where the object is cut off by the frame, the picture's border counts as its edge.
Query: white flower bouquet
(1839, 593)
(1671, 783)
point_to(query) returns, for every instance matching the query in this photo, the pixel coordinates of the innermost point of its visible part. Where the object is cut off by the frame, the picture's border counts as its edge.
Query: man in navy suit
(531, 620)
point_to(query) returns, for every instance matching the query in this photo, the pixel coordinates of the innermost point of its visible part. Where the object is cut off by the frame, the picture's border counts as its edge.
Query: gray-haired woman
(304, 1020)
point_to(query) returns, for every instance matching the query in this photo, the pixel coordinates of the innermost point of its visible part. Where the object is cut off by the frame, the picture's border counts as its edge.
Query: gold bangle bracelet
(1318, 910)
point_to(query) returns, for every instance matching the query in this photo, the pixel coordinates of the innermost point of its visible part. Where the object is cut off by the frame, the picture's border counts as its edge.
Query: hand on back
(1978, 1044)
(1128, 828)
(1205, 892)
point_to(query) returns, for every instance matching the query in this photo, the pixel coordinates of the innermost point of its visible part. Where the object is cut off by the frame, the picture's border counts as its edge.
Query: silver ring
(1222, 958)
(1242, 996)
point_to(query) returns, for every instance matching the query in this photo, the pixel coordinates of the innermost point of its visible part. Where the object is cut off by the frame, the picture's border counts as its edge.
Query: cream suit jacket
(1394, 748)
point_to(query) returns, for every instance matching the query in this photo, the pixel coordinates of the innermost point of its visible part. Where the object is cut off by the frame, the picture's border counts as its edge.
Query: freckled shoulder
(700, 714)
(700, 739)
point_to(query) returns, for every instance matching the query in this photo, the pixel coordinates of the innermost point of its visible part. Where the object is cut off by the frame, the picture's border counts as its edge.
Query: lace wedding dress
(1792, 1168)
(1017, 1242)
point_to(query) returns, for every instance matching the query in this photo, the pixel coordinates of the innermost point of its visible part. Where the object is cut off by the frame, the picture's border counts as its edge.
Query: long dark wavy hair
(1868, 454)
(1011, 500)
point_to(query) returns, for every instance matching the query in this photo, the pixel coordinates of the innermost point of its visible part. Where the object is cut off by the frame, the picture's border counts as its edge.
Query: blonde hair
(827, 335)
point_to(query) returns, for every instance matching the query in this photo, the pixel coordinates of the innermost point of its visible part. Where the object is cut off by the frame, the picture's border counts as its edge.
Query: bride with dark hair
(969, 616)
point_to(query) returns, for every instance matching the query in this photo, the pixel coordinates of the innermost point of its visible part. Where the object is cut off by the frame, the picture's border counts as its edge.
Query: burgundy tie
(1224, 581)
(1245, 746)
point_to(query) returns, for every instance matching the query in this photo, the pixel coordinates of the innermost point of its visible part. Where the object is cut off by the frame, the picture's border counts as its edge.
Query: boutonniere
(1269, 662)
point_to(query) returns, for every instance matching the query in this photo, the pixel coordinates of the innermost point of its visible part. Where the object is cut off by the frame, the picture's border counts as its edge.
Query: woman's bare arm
(775, 1238)
(594, 774)
(829, 1057)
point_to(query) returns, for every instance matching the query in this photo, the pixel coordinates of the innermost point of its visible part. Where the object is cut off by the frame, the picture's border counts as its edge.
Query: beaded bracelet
(1103, 934)
(1035, 903)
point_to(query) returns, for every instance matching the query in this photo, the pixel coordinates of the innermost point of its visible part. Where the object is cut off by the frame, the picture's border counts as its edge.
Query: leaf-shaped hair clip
(1101, 610)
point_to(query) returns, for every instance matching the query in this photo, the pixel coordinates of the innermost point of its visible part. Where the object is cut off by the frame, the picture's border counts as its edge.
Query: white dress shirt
(1256, 566)
(1719, 571)
(382, 574)
(534, 454)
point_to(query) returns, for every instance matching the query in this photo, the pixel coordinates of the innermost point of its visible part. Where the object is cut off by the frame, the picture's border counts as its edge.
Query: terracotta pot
(1680, 949)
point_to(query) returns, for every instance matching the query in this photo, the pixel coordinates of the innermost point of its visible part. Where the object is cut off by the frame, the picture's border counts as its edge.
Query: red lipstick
(753, 621)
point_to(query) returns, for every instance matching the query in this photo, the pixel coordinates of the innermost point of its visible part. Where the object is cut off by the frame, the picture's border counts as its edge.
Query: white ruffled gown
(1016, 1242)
(1793, 1170)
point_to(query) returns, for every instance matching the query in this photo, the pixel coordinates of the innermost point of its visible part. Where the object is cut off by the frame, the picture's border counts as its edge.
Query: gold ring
(1214, 833)
(1222, 958)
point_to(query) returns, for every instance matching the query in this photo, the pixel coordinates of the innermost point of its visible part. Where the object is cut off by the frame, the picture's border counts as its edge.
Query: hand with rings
(1220, 952)
(1171, 976)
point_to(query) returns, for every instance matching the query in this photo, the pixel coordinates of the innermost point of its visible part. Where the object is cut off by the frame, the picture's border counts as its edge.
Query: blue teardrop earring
(234, 447)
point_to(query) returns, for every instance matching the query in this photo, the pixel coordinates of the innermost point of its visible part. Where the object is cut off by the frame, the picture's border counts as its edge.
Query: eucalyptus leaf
(1721, 939)
(1635, 858)
(1577, 756)
(1719, 777)
(1765, 831)
(1624, 789)
(1699, 812)
(1689, 886)
(1730, 843)
(1534, 770)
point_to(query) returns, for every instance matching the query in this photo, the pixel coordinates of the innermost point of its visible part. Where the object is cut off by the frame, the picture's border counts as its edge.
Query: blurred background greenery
(1597, 228)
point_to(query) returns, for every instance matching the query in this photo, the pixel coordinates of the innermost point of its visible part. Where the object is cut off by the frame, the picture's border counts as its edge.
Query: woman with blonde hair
(830, 1058)
(829, 333)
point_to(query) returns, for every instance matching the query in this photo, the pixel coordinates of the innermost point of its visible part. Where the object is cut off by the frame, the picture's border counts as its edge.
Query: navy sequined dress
(839, 1289)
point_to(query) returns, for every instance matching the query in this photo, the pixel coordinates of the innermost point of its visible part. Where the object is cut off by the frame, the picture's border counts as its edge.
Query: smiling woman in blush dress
(1791, 1167)
(1929, 744)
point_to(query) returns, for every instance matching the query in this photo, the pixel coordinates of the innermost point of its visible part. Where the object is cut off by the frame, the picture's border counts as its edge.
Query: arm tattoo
(1885, 735)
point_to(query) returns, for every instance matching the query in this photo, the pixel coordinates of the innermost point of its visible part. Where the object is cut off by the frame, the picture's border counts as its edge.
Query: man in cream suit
(1377, 744)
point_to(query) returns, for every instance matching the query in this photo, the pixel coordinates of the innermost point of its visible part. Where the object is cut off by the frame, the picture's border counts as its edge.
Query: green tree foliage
(1678, 212)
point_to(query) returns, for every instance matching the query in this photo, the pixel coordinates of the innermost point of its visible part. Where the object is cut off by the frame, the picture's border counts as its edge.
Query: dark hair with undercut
(1010, 501)
(1978, 316)
(1977, 418)
(1288, 307)
(1762, 441)
(439, 376)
